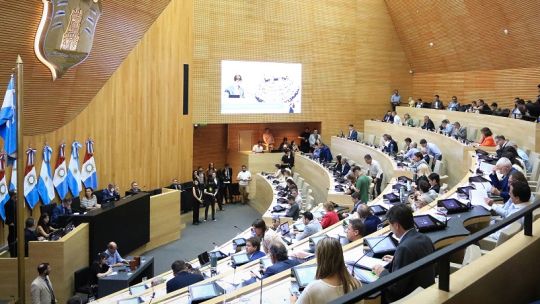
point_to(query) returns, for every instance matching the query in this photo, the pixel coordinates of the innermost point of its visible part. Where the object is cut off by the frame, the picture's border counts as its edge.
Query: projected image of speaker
(205, 292)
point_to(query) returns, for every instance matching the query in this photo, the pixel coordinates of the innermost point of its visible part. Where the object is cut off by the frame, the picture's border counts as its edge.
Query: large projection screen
(249, 87)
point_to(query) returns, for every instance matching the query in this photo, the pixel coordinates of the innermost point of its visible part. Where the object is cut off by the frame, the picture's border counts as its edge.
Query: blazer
(502, 185)
(460, 133)
(294, 211)
(279, 267)
(40, 293)
(429, 125)
(412, 247)
(310, 229)
(183, 279)
(353, 135)
(371, 223)
(256, 255)
(392, 147)
(226, 175)
(346, 168)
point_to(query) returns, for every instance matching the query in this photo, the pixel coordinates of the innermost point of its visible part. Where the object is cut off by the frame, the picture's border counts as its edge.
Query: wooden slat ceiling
(50, 105)
(468, 35)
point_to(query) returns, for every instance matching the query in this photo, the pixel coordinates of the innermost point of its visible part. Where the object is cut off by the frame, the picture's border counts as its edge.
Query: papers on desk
(365, 276)
(112, 273)
(486, 186)
(478, 198)
(487, 168)
(367, 262)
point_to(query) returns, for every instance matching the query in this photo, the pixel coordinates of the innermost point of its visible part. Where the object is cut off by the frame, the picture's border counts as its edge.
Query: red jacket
(329, 219)
(487, 142)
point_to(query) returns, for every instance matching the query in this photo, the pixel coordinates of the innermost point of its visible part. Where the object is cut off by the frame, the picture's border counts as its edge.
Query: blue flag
(8, 120)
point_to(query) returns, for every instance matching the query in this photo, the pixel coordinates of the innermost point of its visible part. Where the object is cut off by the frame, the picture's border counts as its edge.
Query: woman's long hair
(330, 261)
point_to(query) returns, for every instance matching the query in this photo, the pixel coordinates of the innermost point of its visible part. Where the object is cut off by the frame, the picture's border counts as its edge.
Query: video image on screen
(250, 87)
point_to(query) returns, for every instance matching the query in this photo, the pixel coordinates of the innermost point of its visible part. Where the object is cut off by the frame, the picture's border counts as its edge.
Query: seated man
(412, 246)
(396, 119)
(60, 210)
(280, 260)
(98, 269)
(113, 256)
(413, 149)
(311, 226)
(253, 248)
(501, 187)
(453, 105)
(371, 221)
(258, 148)
(110, 193)
(266, 235)
(446, 127)
(390, 145)
(182, 276)
(428, 124)
(176, 185)
(437, 103)
(284, 145)
(520, 194)
(355, 230)
(134, 188)
(459, 132)
(294, 208)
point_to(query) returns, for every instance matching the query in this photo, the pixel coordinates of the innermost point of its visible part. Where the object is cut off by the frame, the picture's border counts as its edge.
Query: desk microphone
(153, 295)
(363, 255)
(241, 231)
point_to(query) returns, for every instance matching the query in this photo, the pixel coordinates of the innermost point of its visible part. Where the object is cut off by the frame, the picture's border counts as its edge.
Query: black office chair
(235, 192)
(99, 195)
(47, 208)
(76, 204)
(81, 283)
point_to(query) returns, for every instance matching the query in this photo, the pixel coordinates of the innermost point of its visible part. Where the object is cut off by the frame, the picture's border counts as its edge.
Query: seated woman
(333, 280)
(330, 217)
(423, 196)
(99, 269)
(89, 200)
(44, 228)
(411, 102)
(487, 138)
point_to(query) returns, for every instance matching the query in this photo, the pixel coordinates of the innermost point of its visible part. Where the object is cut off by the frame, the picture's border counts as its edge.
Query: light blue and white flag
(4, 193)
(13, 178)
(45, 182)
(74, 173)
(31, 194)
(88, 170)
(60, 174)
(8, 120)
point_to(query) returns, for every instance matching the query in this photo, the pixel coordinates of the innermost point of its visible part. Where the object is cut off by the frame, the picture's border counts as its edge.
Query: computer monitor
(239, 242)
(427, 223)
(378, 210)
(137, 289)
(391, 198)
(314, 240)
(136, 300)
(239, 259)
(380, 247)
(266, 262)
(204, 292)
(204, 258)
(452, 205)
(304, 274)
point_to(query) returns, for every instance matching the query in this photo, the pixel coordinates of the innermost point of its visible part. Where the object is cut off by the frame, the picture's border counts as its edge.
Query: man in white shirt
(258, 148)
(520, 194)
(311, 226)
(313, 138)
(376, 172)
(244, 177)
(397, 119)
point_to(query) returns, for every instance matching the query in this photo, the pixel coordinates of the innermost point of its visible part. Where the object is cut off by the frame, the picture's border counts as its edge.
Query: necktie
(53, 298)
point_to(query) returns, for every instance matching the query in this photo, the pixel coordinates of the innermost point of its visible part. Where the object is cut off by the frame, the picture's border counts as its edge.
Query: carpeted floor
(197, 239)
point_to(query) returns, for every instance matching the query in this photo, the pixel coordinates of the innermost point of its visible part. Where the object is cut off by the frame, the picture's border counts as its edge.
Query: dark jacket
(294, 211)
(370, 224)
(429, 125)
(412, 247)
(183, 279)
(279, 267)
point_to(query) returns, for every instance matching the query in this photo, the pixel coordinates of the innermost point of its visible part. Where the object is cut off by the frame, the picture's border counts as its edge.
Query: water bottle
(213, 264)
(402, 194)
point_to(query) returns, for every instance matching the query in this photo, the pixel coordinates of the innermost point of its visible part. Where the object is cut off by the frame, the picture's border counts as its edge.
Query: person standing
(197, 202)
(41, 289)
(268, 139)
(10, 208)
(226, 177)
(395, 100)
(244, 177)
(304, 140)
(210, 191)
(314, 139)
(376, 173)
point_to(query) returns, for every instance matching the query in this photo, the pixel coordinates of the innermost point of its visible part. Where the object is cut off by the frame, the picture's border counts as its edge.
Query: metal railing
(441, 258)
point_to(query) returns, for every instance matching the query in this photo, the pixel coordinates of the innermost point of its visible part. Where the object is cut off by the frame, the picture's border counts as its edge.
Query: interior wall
(136, 119)
(501, 86)
(351, 56)
(210, 145)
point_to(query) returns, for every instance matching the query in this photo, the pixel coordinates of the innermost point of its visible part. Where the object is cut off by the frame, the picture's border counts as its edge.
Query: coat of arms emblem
(66, 32)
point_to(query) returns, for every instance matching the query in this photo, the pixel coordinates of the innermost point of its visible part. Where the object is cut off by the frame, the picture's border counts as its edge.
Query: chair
(307, 204)
(534, 160)
(76, 204)
(488, 244)
(300, 182)
(305, 189)
(80, 280)
(370, 139)
(235, 192)
(295, 176)
(440, 169)
(360, 137)
(472, 133)
(472, 253)
(47, 208)
(99, 195)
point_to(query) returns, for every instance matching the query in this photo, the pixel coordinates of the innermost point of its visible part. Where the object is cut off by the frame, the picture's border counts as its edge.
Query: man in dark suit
(62, 209)
(353, 134)
(428, 124)
(226, 178)
(371, 221)
(501, 187)
(346, 167)
(280, 261)
(29, 233)
(176, 185)
(10, 209)
(182, 276)
(437, 103)
(412, 247)
(294, 209)
(110, 193)
(503, 145)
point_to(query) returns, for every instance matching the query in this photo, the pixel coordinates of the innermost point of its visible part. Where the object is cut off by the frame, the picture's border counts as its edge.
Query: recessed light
(431, 44)
(505, 31)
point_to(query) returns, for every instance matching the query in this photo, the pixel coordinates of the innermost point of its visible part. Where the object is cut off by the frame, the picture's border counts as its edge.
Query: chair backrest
(439, 167)
(300, 182)
(370, 139)
(509, 232)
(295, 176)
(360, 136)
(80, 278)
(472, 252)
(99, 195)
(47, 208)
(536, 214)
(534, 160)
(76, 204)
(305, 189)
(471, 133)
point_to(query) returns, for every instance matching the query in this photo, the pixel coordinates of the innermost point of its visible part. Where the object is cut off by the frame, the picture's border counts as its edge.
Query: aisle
(196, 239)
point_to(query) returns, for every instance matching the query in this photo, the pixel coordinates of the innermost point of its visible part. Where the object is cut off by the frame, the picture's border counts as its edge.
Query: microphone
(153, 295)
(241, 231)
(363, 255)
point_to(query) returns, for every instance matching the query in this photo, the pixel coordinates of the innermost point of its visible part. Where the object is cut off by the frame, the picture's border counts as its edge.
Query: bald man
(113, 257)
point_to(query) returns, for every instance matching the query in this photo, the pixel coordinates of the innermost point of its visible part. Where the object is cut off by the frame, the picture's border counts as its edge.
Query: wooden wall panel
(50, 105)
(350, 54)
(210, 145)
(467, 35)
(495, 85)
(136, 119)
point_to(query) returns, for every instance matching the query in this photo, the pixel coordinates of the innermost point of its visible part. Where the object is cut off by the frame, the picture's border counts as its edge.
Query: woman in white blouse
(89, 200)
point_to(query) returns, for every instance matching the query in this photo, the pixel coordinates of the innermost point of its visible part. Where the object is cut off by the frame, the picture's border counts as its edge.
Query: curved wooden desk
(525, 133)
(453, 152)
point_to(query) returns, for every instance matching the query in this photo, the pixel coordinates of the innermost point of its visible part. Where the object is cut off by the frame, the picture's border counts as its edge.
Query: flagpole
(20, 181)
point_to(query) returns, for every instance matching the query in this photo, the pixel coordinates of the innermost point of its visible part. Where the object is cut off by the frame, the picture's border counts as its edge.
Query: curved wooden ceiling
(468, 34)
(50, 105)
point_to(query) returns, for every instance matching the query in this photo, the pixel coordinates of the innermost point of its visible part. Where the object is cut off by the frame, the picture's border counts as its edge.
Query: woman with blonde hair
(332, 278)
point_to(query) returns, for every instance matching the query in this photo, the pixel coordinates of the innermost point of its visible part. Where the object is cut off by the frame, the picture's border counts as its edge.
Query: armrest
(487, 244)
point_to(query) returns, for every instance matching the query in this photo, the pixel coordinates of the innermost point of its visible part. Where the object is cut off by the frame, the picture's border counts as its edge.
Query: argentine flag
(8, 120)
(4, 195)
(60, 174)
(13, 179)
(45, 183)
(30, 180)
(74, 174)
(88, 170)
